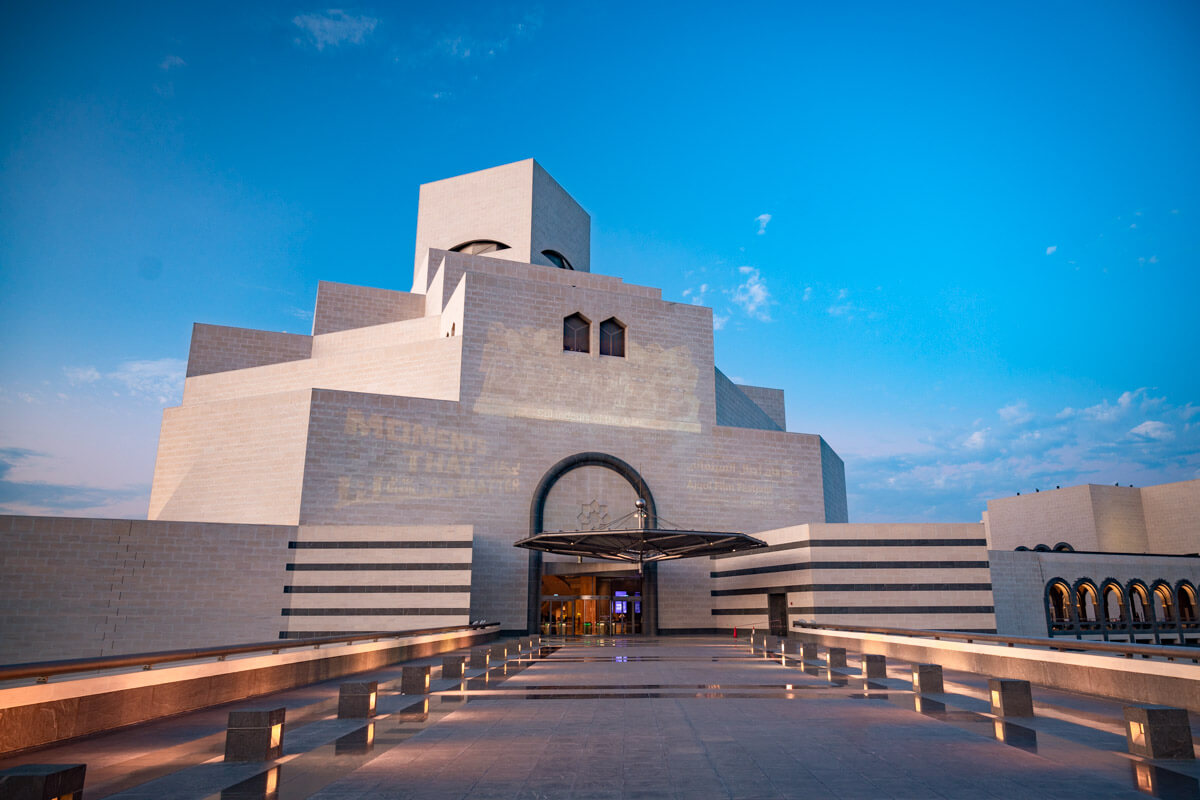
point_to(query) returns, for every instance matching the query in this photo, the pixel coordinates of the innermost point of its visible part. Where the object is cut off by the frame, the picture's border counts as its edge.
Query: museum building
(521, 440)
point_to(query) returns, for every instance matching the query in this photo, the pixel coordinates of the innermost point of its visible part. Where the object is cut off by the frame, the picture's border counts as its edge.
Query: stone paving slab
(664, 718)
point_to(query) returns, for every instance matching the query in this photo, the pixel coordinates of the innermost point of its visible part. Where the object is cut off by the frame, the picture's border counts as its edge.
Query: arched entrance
(537, 512)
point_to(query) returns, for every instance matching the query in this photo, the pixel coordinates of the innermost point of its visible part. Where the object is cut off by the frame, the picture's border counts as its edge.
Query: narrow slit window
(576, 333)
(612, 338)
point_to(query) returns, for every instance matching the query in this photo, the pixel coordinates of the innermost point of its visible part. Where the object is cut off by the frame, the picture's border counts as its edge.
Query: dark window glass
(479, 247)
(612, 338)
(576, 332)
(557, 259)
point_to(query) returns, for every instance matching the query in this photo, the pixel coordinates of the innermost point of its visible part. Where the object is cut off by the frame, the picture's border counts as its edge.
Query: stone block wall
(232, 461)
(76, 588)
(1050, 517)
(769, 400)
(889, 575)
(377, 578)
(341, 306)
(737, 409)
(219, 348)
(1172, 513)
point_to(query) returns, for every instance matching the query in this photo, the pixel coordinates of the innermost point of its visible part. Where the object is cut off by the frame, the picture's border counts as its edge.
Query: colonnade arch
(1159, 610)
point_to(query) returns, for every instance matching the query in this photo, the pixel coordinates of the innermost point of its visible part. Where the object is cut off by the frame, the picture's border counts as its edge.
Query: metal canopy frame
(640, 545)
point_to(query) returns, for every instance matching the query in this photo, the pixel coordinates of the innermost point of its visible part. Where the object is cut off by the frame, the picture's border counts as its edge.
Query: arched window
(1063, 547)
(557, 259)
(612, 338)
(1086, 603)
(1187, 603)
(1164, 607)
(477, 247)
(1059, 597)
(1114, 603)
(1042, 548)
(577, 331)
(1139, 602)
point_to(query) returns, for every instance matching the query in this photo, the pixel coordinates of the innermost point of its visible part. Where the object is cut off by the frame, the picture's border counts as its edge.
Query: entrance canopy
(640, 545)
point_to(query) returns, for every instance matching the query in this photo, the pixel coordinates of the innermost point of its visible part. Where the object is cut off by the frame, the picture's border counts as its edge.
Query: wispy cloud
(752, 295)
(160, 380)
(1051, 249)
(37, 497)
(807, 294)
(763, 220)
(80, 375)
(464, 45)
(335, 27)
(1016, 413)
(696, 295)
(171, 62)
(1153, 429)
(719, 321)
(954, 471)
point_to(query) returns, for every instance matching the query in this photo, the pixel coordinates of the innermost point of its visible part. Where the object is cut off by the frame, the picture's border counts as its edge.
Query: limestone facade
(445, 406)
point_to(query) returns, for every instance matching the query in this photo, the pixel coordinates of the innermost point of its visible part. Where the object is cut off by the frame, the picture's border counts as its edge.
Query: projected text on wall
(422, 462)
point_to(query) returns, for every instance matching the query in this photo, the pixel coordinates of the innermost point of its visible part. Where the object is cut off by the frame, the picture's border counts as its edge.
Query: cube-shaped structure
(255, 735)
(1158, 732)
(1010, 698)
(43, 782)
(357, 700)
(453, 666)
(415, 679)
(927, 679)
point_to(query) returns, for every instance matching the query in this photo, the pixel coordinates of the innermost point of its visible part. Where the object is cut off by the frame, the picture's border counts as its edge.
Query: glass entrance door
(590, 605)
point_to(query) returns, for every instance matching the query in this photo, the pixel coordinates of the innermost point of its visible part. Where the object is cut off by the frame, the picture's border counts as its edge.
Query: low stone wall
(43, 714)
(1135, 680)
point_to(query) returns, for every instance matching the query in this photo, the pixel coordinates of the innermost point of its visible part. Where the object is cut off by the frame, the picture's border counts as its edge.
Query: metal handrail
(44, 669)
(1078, 645)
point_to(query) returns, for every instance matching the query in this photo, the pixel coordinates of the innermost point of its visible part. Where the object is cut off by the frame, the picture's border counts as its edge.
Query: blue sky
(962, 237)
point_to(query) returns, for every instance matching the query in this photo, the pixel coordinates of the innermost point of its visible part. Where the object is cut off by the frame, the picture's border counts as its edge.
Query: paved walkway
(653, 718)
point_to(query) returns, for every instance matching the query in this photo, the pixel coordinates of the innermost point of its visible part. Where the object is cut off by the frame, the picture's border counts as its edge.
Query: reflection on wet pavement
(837, 734)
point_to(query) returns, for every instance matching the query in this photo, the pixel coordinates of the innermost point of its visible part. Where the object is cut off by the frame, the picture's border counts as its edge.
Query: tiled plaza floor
(652, 718)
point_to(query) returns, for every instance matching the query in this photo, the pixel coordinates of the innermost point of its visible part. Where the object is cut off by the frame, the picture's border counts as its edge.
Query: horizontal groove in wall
(808, 610)
(850, 565)
(373, 612)
(855, 587)
(439, 589)
(380, 566)
(375, 545)
(816, 543)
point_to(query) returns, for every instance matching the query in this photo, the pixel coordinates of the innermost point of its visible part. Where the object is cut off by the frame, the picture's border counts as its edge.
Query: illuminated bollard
(357, 700)
(874, 666)
(499, 653)
(927, 679)
(453, 666)
(809, 651)
(255, 735)
(1010, 698)
(536, 639)
(414, 680)
(1158, 732)
(480, 658)
(43, 781)
(836, 657)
